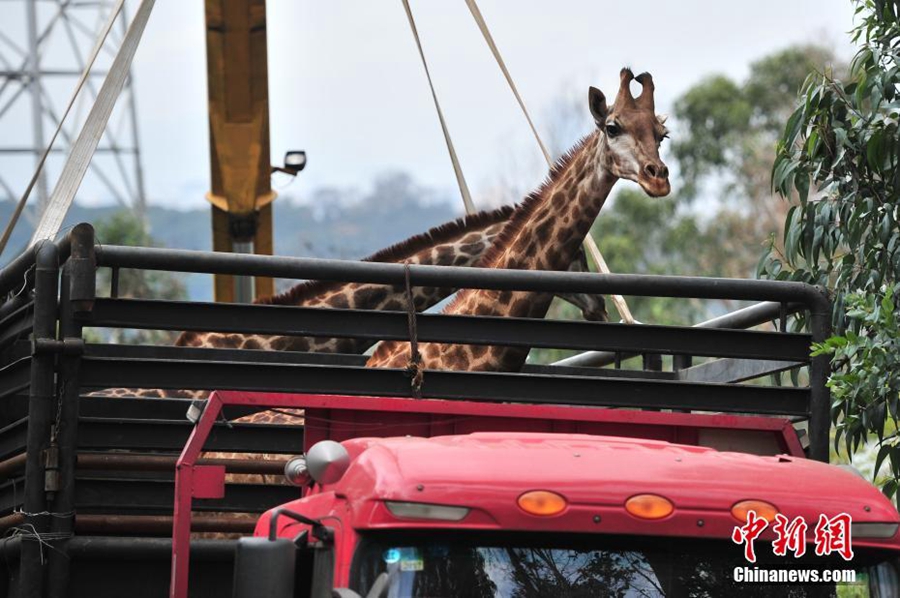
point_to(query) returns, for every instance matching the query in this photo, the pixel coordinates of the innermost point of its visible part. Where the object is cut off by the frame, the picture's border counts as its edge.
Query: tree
(724, 145)
(125, 228)
(838, 157)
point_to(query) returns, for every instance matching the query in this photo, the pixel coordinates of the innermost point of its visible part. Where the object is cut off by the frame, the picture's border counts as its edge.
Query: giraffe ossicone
(547, 229)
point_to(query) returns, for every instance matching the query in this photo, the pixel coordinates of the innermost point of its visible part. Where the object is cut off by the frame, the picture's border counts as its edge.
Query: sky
(346, 84)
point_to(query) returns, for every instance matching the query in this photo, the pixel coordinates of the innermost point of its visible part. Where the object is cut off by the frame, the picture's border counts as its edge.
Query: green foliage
(728, 129)
(865, 388)
(124, 228)
(715, 116)
(838, 157)
(775, 80)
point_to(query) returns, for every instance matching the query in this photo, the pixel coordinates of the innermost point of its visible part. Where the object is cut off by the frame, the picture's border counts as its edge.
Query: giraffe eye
(612, 130)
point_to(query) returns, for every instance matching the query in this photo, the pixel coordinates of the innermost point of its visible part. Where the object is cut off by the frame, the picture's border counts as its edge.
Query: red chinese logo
(747, 533)
(831, 535)
(789, 535)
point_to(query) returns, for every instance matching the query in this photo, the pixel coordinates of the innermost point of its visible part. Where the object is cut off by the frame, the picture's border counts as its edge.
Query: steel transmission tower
(44, 45)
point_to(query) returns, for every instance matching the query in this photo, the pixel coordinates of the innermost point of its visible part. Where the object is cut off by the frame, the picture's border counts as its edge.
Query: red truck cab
(541, 513)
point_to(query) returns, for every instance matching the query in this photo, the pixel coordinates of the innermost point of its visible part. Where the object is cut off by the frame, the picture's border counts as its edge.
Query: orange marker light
(542, 503)
(762, 509)
(649, 506)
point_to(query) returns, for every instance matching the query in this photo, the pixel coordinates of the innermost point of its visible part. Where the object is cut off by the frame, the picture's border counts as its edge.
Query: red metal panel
(209, 481)
(343, 417)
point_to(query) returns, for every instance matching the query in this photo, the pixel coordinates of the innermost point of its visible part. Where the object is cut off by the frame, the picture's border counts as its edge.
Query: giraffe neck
(547, 229)
(459, 242)
(543, 234)
(462, 242)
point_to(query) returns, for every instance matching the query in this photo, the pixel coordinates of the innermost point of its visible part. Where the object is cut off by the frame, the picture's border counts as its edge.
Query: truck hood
(487, 472)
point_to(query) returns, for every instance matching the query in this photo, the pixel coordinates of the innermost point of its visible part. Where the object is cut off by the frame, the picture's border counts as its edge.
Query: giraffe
(460, 242)
(547, 228)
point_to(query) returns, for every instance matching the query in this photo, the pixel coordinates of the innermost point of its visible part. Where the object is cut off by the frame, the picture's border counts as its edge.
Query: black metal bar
(204, 353)
(486, 386)
(83, 266)
(16, 327)
(110, 548)
(475, 330)
(734, 370)
(819, 370)
(114, 283)
(156, 409)
(41, 409)
(154, 497)
(15, 377)
(76, 295)
(653, 362)
(13, 438)
(138, 435)
(135, 462)
(12, 306)
(746, 317)
(161, 525)
(115, 549)
(180, 260)
(555, 370)
(682, 362)
(137, 495)
(12, 276)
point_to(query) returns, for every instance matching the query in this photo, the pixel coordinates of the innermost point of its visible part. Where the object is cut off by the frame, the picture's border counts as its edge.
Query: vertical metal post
(77, 295)
(682, 362)
(652, 362)
(37, 107)
(237, 85)
(243, 285)
(41, 409)
(819, 394)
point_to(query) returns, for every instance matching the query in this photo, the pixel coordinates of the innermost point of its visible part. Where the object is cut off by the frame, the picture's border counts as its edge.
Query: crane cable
(589, 242)
(92, 57)
(457, 169)
(85, 145)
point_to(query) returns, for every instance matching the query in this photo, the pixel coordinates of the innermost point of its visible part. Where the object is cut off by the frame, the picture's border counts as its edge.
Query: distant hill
(335, 224)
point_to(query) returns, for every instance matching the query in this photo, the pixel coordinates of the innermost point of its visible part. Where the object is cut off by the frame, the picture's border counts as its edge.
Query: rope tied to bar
(27, 532)
(414, 368)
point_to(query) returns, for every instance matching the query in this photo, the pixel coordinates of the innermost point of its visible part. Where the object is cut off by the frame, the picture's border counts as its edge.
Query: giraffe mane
(395, 253)
(524, 211)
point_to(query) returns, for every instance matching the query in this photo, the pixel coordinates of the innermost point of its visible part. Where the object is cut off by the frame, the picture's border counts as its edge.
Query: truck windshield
(530, 566)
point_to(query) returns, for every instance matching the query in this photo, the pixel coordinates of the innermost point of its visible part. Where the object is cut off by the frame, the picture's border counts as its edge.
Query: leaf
(883, 451)
(802, 185)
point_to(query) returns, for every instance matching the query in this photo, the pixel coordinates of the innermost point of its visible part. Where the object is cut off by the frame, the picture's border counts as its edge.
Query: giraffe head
(630, 134)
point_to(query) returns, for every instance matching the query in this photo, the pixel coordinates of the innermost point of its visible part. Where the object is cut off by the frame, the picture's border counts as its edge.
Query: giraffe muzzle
(654, 179)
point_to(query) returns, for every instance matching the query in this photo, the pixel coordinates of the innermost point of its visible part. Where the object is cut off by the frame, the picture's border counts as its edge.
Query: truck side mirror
(264, 567)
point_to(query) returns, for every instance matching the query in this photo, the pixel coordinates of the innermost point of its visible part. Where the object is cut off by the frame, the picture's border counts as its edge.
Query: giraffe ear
(597, 103)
